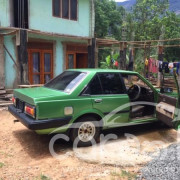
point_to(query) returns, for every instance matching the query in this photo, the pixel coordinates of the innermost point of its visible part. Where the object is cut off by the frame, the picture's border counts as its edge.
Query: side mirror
(166, 90)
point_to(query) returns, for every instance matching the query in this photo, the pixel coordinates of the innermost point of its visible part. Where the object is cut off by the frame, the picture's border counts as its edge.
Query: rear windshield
(67, 81)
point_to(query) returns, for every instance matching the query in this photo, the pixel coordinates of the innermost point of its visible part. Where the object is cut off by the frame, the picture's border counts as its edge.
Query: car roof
(103, 70)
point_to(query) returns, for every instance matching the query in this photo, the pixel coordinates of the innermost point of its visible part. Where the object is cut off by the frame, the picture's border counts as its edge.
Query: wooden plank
(9, 91)
(2, 92)
(5, 104)
(6, 96)
(30, 86)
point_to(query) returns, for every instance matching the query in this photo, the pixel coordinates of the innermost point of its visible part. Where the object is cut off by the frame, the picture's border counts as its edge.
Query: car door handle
(98, 100)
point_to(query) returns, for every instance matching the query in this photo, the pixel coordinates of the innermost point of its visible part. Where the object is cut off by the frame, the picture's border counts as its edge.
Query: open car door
(167, 109)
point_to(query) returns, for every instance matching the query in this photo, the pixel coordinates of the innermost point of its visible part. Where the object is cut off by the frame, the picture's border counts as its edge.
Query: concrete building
(41, 38)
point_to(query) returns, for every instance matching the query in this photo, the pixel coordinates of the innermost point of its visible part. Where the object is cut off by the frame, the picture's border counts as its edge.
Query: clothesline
(155, 66)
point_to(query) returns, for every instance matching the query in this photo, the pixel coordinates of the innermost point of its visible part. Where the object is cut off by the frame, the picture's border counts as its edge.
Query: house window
(73, 9)
(57, 8)
(19, 13)
(66, 9)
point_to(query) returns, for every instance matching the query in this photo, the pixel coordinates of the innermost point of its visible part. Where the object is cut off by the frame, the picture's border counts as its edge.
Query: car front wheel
(85, 132)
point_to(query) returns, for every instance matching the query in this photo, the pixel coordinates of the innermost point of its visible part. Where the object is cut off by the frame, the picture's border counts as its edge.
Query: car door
(167, 109)
(108, 95)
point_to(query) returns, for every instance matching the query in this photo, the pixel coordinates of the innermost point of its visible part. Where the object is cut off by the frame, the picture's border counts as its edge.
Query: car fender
(87, 112)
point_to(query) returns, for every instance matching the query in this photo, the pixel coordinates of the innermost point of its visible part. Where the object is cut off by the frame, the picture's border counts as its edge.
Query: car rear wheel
(85, 132)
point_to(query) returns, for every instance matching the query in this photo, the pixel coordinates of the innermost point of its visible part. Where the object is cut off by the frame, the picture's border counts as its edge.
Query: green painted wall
(4, 13)
(10, 69)
(41, 19)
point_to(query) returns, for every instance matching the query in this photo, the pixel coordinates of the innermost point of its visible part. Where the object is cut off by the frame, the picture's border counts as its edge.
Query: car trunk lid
(29, 95)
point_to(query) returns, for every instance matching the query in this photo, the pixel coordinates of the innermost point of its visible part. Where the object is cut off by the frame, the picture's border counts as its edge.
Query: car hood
(30, 95)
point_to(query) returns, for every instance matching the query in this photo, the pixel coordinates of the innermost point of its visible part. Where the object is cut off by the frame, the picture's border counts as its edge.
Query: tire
(85, 131)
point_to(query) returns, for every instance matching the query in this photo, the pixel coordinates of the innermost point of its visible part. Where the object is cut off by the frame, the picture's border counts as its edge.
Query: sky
(120, 0)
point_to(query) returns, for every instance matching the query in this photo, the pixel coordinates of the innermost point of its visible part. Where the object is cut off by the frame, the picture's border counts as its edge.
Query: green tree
(108, 19)
(147, 17)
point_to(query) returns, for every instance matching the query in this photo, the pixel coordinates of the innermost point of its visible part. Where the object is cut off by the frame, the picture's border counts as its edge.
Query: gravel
(166, 166)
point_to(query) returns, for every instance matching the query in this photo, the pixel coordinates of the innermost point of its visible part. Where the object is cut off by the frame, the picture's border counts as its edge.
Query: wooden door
(81, 60)
(40, 66)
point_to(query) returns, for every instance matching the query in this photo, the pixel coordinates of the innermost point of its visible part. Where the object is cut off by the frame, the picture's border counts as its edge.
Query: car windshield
(67, 81)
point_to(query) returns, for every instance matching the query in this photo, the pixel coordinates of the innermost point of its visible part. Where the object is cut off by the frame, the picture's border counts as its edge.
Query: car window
(129, 80)
(111, 83)
(93, 88)
(66, 81)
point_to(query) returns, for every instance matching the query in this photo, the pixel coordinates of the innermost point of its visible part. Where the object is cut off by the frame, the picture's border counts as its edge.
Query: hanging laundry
(175, 64)
(149, 65)
(160, 66)
(178, 68)
(146, 62)
(171, 65)
(165, 67)
(154, 66)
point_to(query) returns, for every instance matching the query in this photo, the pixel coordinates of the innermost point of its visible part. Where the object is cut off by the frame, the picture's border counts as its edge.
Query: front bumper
(33, 124)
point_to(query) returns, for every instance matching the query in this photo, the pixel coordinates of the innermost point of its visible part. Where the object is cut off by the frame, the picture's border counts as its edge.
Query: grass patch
(124, 174)
(44, 177)
(1, 164)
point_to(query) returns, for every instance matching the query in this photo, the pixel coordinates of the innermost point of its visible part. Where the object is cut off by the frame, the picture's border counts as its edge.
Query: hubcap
(86, 131)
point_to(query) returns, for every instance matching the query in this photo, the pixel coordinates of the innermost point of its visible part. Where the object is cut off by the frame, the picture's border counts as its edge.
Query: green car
(82, 102)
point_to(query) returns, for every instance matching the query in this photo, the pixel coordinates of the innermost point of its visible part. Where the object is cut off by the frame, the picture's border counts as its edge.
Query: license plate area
(20, 105)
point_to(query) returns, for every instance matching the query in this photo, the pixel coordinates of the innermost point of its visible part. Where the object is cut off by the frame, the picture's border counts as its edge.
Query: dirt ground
(25, 155)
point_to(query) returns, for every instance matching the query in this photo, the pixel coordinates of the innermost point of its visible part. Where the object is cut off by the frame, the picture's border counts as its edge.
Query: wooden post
(124, 55)
(145, 56)
(96, 56)
(93, 54)
(131, 60)
(121, 55)
(2, 63)
(160, 58)
(23, 57)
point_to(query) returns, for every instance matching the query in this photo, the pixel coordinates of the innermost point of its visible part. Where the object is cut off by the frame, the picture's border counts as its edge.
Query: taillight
(30, 110)
(14, 101)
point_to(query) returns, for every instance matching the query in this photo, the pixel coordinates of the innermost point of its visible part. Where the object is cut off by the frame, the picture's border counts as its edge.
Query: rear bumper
(33, 124)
